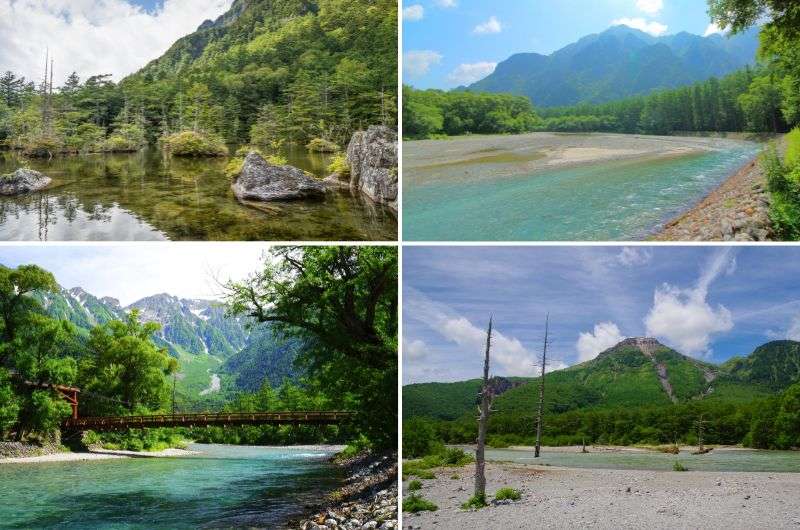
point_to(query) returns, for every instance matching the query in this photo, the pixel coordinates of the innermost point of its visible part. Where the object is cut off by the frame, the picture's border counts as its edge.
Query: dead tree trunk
(541, 389)
(483, 423)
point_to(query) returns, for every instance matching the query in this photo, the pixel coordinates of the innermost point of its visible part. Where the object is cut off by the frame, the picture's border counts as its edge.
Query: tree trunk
(483, 424)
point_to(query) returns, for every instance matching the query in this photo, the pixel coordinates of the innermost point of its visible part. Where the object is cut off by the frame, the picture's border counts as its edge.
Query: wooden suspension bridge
(121, 423)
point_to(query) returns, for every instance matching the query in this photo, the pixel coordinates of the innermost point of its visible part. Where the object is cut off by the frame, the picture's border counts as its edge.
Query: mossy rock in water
(192, 143)
(23, 181)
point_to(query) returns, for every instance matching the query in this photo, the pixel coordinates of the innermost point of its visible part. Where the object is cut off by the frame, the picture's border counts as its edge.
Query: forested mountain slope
(636, 372)
(297, 69)
(618, 63)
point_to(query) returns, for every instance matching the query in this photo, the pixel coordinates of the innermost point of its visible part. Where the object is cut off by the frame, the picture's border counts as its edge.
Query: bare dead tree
(541, 388)
(483, 423)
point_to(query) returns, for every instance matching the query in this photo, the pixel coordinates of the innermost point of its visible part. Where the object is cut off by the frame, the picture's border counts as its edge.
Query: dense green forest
(341, 301)
(267, 72)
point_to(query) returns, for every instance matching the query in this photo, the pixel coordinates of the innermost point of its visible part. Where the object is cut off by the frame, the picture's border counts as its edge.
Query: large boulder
(372, 155)
(23, 181)
(261, 181)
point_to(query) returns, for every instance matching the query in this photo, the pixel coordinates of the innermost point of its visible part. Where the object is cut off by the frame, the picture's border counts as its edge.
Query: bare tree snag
(541, 389)
(483, 423)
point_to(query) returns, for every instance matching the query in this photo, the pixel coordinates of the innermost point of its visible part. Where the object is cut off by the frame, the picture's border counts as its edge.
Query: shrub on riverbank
(783, 182)
(194, 144)
(507, 494)
(150, 440)
(450, 457)
(415, 503)
(321, 145)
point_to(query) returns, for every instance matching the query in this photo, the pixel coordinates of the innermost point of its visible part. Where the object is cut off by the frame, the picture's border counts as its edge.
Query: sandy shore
(431, 160)
(97, 454)
(609, 499)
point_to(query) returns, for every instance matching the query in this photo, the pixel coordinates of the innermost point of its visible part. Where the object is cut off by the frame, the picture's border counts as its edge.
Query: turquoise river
(616, 200)
(225, 487)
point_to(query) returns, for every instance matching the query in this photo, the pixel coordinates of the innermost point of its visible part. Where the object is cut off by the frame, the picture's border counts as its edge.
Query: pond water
(617, 200)
(150, 196)
(724, 460)
(226, 487)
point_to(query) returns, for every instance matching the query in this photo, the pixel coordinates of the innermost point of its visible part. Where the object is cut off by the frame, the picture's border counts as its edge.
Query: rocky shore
(368, 500)
(738, 210)
(603, 498)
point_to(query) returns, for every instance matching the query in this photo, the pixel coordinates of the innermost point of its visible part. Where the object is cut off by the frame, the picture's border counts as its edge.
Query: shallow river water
(617, 200)
(226, 487)
(150, 196)
(725, 460)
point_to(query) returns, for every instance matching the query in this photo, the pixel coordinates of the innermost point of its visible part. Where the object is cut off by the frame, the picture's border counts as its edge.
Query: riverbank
(555, 497)
(96, 454)
(368, 499)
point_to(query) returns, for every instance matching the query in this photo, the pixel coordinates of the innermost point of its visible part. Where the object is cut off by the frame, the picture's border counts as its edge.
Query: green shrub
(507, 493)
(456, 457)
(339, 165)
(321, 145)
(414, 485)
(415, 503)
(192, 143)
(419, 438)
(677, 466)
(476, 501)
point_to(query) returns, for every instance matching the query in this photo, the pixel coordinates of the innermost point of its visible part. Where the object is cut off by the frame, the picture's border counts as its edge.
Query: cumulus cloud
(508, 354)
(415, 350)
(413, 13)
(469, 73)
(94, 36)
(684, 318)
(446, 3)
(490, 26)
(653, 28)
(794, 329)
(604, 336)
(634, 256)
(651, 7)
(417, 63)
(713, 28)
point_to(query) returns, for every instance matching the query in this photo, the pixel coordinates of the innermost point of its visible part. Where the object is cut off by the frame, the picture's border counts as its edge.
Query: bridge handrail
(298, 415)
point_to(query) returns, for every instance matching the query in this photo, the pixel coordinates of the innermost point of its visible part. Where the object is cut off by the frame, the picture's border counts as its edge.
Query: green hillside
(775, 365)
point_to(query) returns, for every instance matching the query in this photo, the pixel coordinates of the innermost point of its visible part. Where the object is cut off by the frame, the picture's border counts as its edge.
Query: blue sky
(708, 302)
(92, 37)
(447, 43)
(131, 272)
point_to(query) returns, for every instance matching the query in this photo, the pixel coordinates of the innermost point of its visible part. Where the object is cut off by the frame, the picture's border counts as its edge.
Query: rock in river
(261, 181)
(23, 181)
(372, 155)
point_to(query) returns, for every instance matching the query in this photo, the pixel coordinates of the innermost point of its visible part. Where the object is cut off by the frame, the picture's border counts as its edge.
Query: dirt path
(612, 499)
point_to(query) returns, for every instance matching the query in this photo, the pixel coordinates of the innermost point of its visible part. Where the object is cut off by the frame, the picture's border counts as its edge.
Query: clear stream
(150, 196)
(226, 487)
(731, 460)
(619, 200)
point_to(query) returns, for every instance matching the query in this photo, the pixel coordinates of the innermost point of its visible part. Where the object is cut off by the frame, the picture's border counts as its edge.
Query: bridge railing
(202, 419)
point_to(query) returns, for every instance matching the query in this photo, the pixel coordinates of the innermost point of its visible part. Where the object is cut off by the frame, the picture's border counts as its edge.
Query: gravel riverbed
(612, 499)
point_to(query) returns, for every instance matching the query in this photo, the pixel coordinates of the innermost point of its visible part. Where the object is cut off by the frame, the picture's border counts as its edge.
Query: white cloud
(415, 350)
(490, 26)
(713, 28)
(794, 329)
(413, 13)
(684, 318)
(446, 3)
(653, 28)
(94, 36)
(634, 256)
(651, 7)
(469, 73)
(604, 336)
(508, 355)
(418, 62)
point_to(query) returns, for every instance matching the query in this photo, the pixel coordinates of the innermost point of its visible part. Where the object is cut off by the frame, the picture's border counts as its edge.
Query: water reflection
(150, 196)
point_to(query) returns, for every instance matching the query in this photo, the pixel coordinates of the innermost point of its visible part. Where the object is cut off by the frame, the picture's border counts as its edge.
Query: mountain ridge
(618, 63)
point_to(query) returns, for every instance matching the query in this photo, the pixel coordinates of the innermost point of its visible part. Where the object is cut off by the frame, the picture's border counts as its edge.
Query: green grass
(475, 502)
(792, 157)
(507, 493)
(414, 485)
(415, 503)
(421, 468)
(677, 466)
